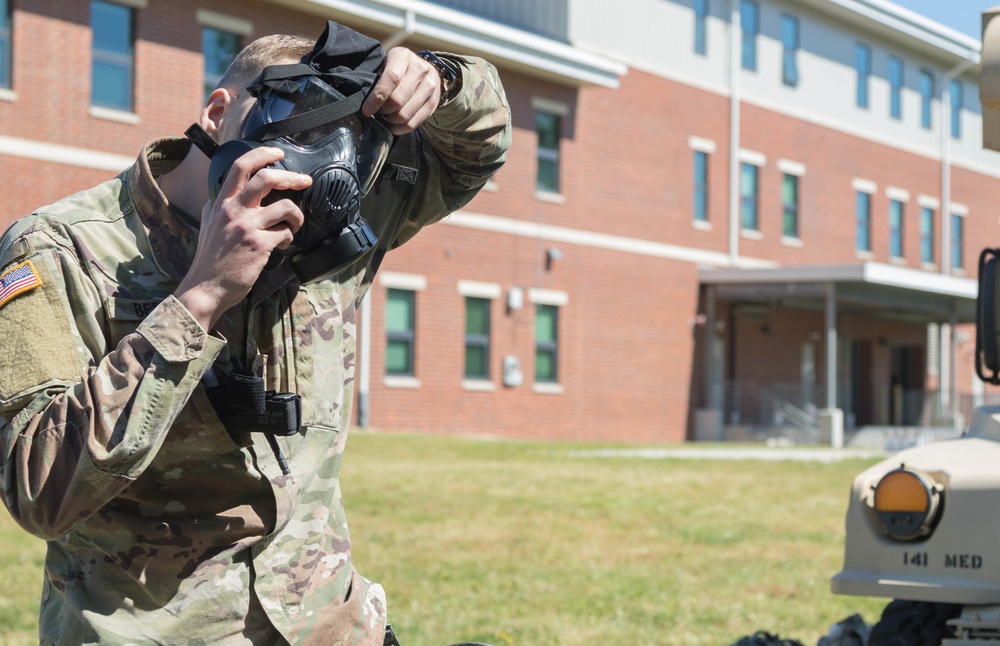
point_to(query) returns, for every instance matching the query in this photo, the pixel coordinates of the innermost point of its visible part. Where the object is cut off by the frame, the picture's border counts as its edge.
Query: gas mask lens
(363, 142)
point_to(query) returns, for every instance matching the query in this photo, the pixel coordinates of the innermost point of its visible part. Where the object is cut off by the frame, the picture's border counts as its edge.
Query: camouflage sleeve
(466, 143)
(79, 421)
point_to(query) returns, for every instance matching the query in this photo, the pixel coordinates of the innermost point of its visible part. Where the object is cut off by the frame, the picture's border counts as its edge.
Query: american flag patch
(17, 280)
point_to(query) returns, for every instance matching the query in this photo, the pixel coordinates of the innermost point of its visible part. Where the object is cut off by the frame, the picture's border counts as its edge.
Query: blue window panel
(750, 26)
(749, 188)
(112, 55)
(6, 44)
(863, 221)
(863, 67)
(956, 90)
(700, 186)
(926, 98)
(789, 50)
(895, 87)
(926, 234)
(701, 27)
(957, 241)
(896, 229)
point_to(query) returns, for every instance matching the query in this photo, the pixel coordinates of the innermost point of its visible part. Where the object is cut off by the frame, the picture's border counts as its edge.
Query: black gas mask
(311, 111)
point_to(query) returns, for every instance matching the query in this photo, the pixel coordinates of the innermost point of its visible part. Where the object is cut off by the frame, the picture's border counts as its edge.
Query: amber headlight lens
(906, 503)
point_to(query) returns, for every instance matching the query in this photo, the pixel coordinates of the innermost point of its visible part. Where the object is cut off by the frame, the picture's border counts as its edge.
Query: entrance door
(906, 385)
(862, 384)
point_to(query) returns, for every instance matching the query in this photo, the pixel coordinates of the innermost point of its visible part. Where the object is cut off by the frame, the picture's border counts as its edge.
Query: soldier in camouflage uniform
(162, 527)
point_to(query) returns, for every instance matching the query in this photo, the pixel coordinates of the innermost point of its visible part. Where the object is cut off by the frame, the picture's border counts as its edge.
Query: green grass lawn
(522, 543)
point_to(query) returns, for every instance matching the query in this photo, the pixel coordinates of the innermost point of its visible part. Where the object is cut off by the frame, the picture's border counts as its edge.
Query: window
(700, 27)
(863, 67)
(400, 319)
(926, 234)
(112, 56)
(790, 206)
(749, 26)
(546, 343)
(926, 96)
(895, 87)
(957, 227)
(219, 49)
(955, 92)
(895, 228)
(548, 127)
(789, 50)
(6, 44)
(477, 338)
(700, 186)
(749, 185)
(863, 221)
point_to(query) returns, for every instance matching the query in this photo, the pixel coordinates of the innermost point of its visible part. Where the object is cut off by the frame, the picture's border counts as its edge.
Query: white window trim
(215, 20)
(753, 157)
(701, 225)
(547, 388)
(401, 381)
(478, 289)
(898, 194)
(110, 114)
(702, 145)
(541, 104)
(929, 202)
(960, 210)
(789, 167)
(864, 186)
(550, 196)
(540, 296)
(396, 280)
(135, 4)
(791, 241)
(751, 234)
(479, 385)
(7, 94)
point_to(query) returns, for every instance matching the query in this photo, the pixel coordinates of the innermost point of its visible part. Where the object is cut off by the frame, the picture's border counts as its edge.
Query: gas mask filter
(322, 134)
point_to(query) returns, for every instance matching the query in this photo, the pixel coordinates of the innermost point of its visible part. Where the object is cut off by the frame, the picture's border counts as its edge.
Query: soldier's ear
(216, 115)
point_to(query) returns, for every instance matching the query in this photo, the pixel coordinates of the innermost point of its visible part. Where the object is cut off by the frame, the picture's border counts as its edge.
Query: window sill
(898, 261)
(7, 95)
(479, 385)
(957, 271)
(119, 116)
(790, 241)
(547, 388)
(751, 234)
(392, 381)
(701, 225)
(550, 197)
(491, 186)
(928, 266)
(864, 255)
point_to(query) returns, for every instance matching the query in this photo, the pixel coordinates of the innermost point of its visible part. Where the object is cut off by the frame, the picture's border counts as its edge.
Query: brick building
(700, 230)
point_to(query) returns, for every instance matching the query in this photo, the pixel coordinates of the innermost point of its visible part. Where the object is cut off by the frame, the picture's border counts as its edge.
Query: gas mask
(322, 133)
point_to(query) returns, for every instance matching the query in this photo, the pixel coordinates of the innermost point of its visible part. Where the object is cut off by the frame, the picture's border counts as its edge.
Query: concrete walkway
(767, 453)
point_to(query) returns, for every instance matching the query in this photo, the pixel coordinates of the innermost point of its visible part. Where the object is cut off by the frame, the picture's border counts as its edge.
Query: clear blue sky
(961, 15)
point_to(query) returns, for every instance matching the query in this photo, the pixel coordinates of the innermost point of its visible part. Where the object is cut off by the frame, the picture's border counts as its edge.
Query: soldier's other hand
(407, 92)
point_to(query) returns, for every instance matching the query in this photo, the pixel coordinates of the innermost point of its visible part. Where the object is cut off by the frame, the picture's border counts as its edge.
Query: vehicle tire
(914, 623)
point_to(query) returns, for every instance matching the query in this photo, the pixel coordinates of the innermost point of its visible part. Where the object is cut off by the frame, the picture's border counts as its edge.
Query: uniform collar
(172, 233)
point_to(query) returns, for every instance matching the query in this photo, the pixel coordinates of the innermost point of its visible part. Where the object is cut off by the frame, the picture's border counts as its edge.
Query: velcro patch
(18, 280)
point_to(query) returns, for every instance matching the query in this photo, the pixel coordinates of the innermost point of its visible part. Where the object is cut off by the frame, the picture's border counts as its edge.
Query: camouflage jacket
(161, 526)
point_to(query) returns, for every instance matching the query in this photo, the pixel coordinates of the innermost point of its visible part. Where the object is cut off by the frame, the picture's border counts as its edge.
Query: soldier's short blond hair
(277, 49)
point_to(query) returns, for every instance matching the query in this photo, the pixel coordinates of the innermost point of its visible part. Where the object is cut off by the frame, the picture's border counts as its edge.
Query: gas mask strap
(309, 120)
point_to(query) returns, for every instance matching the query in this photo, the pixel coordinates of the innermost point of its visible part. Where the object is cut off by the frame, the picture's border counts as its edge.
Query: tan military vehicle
(923, 527)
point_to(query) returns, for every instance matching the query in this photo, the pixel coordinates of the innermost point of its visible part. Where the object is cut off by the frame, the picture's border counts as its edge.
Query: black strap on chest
(244, 406)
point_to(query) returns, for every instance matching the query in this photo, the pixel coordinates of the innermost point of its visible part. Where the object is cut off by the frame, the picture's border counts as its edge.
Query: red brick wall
(629, 366)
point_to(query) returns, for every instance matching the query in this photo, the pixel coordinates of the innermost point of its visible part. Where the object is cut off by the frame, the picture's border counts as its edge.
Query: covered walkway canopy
(872, 289)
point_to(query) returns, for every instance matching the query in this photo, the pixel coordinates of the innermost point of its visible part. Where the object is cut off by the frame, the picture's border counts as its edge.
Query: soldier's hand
(407, 92)
(238, 234)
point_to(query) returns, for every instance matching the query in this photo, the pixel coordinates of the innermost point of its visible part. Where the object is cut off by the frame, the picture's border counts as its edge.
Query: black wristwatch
(449, 76)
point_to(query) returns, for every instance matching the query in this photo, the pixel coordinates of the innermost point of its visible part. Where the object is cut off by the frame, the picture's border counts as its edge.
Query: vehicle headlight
(906, 503)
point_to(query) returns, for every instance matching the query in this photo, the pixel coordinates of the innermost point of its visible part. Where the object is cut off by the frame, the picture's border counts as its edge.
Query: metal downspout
(946, 354)
(735, 31)
(400, 36)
